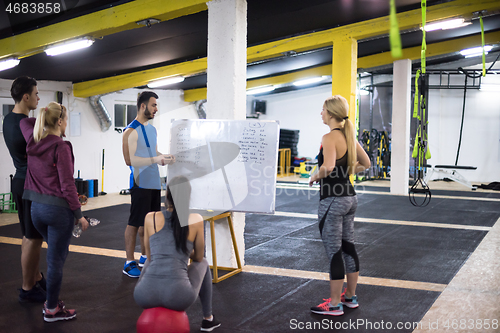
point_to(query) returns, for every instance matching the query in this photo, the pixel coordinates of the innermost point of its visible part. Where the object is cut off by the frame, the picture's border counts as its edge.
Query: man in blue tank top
(141, 154)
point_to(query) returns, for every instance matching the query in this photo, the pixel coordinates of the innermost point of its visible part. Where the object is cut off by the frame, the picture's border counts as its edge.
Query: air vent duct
(101, 112)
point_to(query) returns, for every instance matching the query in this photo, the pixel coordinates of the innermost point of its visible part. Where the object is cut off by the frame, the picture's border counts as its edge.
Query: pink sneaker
(59, 313)
(327, 308)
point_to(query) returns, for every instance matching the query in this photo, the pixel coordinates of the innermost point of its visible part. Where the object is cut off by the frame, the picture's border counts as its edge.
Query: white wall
(298, 110)
(89, 145)
(481, 130)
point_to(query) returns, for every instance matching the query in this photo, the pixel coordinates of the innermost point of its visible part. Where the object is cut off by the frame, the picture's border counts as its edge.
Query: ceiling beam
(376, 60)
(435, 49)
(98, 24)
(370, 28)
(361, 30)
(136, 79)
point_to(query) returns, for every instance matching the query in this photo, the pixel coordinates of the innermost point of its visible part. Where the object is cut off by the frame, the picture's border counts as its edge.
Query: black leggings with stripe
(336, 225)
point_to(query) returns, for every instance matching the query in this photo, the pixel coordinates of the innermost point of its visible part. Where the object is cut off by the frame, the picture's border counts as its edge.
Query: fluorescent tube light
(260, 90)
(489, 87)
(447, 24)
(165, 82)
(69, 46)
(307, 81)
(475, 51)
(364, 92)
(8, 63)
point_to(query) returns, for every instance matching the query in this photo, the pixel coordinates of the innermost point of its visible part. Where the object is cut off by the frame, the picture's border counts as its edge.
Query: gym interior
(426, 228)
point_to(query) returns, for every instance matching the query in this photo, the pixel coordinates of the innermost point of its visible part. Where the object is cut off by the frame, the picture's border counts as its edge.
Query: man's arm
(129, 147)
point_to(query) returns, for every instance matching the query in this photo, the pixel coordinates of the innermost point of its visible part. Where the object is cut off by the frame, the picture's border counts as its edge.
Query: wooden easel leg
(215, 277)
(233, 237)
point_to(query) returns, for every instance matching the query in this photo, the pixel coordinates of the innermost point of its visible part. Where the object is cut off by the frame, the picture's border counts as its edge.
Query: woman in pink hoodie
(51, 188)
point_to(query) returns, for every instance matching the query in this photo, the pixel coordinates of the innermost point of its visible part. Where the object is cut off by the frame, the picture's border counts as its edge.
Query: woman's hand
(84, 222)
(312, 180)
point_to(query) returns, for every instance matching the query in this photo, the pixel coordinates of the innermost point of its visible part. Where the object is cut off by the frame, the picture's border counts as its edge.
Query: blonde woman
(340, 156)
(50, 187)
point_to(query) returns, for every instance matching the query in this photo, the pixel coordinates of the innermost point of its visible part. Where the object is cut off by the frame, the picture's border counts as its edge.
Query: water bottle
(77, 230)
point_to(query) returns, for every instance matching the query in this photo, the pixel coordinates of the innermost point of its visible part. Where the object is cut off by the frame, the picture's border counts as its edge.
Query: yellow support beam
(125, 81)
(376, 60)
(102, 23)
(434, 49)
(370, 28)
(344, 71)
(192, 95)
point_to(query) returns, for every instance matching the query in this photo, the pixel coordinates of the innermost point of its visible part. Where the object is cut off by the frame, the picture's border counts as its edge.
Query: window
(124, 114)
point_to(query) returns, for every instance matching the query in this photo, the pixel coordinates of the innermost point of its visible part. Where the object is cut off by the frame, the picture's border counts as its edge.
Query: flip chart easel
(215, 268)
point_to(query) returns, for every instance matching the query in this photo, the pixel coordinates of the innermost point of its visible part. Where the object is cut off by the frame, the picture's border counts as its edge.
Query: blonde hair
(338, 108)
(47, 119)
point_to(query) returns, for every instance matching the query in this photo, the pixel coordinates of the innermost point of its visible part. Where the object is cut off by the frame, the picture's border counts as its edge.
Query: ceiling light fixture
(475, 51)
(165, 82)
(308, 81)
(447, 24)
(8, 63)
(69, 46)
(489, 87)
(260, 90)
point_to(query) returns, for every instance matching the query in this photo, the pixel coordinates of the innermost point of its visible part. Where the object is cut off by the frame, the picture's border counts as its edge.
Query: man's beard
(148, 114)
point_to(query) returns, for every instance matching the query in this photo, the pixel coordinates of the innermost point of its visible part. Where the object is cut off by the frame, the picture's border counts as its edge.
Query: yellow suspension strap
(482, 43)
(394, 36)
(421, 151)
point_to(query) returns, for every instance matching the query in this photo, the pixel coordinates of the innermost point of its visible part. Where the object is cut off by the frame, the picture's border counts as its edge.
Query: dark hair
(22, 85)
(181, 194)
(144, 98)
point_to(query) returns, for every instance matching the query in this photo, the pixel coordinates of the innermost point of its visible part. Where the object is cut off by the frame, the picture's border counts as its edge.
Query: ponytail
(350, 137)
(179, 191)
(47, 119)
(338, 107)
(38, 133)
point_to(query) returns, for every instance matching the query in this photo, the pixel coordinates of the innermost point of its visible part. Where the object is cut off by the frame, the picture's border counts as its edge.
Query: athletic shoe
(349, 302)
(35, 295)
(59, 304)
(131, 270)
(59, 313)
(142, 261)
(326, 308)
(209, 326)
(42, 283)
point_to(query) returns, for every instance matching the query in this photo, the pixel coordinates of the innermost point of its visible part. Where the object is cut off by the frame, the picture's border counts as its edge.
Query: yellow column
(344, 71)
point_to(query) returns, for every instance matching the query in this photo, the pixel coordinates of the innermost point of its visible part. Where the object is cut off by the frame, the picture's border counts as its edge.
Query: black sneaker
(35, 295)
(59, 313)
(42, 283)
(209, 326)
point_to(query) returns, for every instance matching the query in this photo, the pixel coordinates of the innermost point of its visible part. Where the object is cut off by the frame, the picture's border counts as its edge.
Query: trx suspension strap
(482, 44)
(421, 150)
(394, 36)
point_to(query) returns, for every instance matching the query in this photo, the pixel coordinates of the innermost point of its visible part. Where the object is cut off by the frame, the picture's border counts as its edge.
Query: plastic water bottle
(77, 230)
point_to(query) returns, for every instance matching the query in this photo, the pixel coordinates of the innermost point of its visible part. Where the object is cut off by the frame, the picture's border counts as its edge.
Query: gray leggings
(336, 225)
(176, 293)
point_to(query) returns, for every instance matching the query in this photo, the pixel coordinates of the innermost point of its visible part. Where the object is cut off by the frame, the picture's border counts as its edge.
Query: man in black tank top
(25, 94)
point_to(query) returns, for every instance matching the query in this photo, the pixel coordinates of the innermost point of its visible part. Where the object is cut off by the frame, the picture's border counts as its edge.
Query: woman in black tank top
(340, 156)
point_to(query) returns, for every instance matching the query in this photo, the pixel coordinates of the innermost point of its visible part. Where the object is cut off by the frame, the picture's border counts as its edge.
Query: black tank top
(337, 183)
